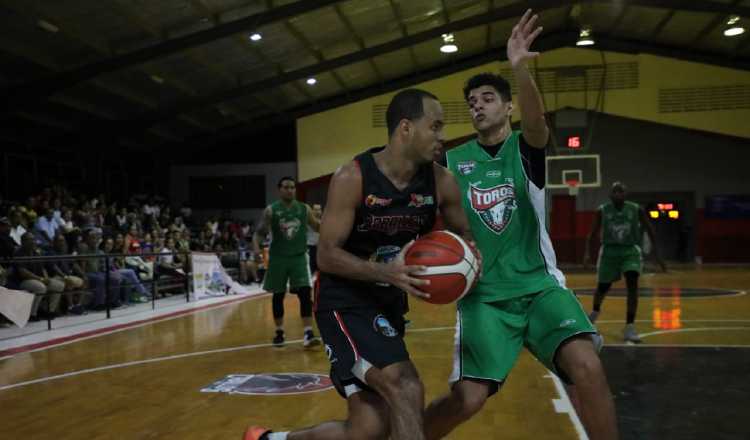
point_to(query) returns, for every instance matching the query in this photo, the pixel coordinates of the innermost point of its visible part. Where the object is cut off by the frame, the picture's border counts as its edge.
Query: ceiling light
(449, 44)
(157, 79)
(311, 81)
(585, 38)
(255, 36)
(47, 26)
(734, 29)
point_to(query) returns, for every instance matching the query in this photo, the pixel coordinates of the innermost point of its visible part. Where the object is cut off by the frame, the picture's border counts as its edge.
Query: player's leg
(608, 271)
(560, 336)
(367, 420)
(275, 282)
(300, 281)
(631, 266)
(488, 340)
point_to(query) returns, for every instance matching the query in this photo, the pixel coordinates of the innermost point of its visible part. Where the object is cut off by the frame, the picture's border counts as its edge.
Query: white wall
(180, 176)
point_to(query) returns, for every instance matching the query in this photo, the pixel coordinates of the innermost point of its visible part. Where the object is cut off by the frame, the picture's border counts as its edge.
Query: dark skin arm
(262, 230)
(649, 228)
(449, 196)
(343, 198)
(595, 227)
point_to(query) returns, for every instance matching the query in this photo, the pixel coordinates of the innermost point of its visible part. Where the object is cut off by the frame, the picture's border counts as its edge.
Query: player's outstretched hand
(400, 275)
(521, 38)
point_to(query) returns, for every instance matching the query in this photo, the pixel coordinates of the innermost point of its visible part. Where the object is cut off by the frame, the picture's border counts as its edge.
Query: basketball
(452, 267)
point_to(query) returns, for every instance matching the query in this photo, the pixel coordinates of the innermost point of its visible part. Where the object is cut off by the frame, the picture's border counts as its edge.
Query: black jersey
(385, 221)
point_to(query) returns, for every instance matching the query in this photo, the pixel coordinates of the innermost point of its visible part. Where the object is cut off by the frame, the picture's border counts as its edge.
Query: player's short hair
(284, 179)
(407, 104)
(618, 185)
(497, 82)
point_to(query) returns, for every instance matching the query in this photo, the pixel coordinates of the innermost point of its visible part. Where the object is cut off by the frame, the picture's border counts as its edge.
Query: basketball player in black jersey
(377, 205)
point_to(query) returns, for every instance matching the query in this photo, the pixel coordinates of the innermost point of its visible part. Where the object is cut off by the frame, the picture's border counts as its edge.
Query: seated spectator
(46, 229)
(70, 274)
(66, 223)
(130, 281)
(95, 269)
(186, 213)
(147, 247)
(178, 225)
(121, 220)
(7, 244)
(17, 227)
(144, 269)
(33, 277)
(171, 263)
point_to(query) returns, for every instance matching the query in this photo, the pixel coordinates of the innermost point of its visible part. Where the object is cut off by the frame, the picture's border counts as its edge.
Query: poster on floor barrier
(210, 279)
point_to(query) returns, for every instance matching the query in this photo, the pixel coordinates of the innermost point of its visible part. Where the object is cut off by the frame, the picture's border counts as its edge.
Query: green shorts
(283, 269)
(613, 262)
(489, 336)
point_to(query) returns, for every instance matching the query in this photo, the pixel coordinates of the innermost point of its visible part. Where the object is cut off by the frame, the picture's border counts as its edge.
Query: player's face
(428, 132)
(487, 108)
(288, 190)
(618, 196)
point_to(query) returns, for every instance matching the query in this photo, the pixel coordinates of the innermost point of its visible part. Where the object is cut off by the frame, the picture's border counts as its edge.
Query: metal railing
(157, 282)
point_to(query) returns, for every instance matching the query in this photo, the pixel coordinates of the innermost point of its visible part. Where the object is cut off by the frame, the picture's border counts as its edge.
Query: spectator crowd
(59, 223)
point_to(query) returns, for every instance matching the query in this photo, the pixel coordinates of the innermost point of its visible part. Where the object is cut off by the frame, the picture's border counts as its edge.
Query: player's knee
(587, 367)
(469, 403)
(400, 382)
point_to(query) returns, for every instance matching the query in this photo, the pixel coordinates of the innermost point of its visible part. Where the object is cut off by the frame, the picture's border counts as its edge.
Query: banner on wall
(210, 279)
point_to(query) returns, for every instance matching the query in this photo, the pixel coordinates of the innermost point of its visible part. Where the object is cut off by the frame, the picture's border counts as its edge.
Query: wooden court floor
(145, 382)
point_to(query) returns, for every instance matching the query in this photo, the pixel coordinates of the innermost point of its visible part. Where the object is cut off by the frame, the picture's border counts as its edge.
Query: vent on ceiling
(550, 80)
(581, 77)
(701, 99)
(454, 112)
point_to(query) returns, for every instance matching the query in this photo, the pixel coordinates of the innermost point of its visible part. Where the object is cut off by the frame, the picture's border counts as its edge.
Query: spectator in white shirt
(17, 230)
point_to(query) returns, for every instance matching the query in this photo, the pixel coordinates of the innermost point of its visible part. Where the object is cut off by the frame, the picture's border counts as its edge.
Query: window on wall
(227, 192)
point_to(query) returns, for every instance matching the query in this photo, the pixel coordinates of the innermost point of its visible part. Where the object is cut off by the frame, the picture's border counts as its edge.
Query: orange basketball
(452, 267)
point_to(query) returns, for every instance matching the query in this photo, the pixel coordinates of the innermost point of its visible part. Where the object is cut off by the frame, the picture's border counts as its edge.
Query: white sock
(308, 328)
(279, 328)
(277, 435)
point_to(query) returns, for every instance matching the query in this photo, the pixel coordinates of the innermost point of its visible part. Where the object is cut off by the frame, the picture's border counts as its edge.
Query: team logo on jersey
(494, 205)
(384, 327)
(466, 167)
(419, 200)
(494, 173)
(373, 200)
(289, 228)
(275, 383)
(620, 232)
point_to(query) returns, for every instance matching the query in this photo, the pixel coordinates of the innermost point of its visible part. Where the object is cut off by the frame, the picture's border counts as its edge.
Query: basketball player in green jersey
(621, 222)
(521, 300)
(287, 220)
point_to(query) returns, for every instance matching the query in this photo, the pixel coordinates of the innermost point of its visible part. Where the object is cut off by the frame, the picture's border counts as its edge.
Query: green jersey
(621, 227)
(288, 228)
(506, 213)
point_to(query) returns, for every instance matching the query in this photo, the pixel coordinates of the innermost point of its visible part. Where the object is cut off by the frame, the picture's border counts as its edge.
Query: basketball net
(572, 187)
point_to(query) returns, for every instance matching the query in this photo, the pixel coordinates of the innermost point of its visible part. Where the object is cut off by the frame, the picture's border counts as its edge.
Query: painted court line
(563, 405)
(694, 329)
(109, 329)
(419, 330)
(141, 362)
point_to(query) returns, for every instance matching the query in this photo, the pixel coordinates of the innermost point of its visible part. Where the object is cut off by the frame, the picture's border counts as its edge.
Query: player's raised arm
(533, 124)
(344, 195)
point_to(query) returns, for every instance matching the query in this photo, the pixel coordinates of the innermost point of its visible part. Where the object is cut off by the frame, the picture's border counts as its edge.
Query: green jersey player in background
(621, 223)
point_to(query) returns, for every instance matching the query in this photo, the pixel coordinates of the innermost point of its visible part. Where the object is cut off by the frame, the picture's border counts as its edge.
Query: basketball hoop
(572, 187)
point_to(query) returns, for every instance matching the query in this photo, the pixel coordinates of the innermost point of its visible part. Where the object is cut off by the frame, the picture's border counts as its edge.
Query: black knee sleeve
(278, 305)
(305, 302)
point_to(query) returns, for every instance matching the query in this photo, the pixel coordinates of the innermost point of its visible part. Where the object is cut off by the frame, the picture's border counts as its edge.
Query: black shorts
(357, 339)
